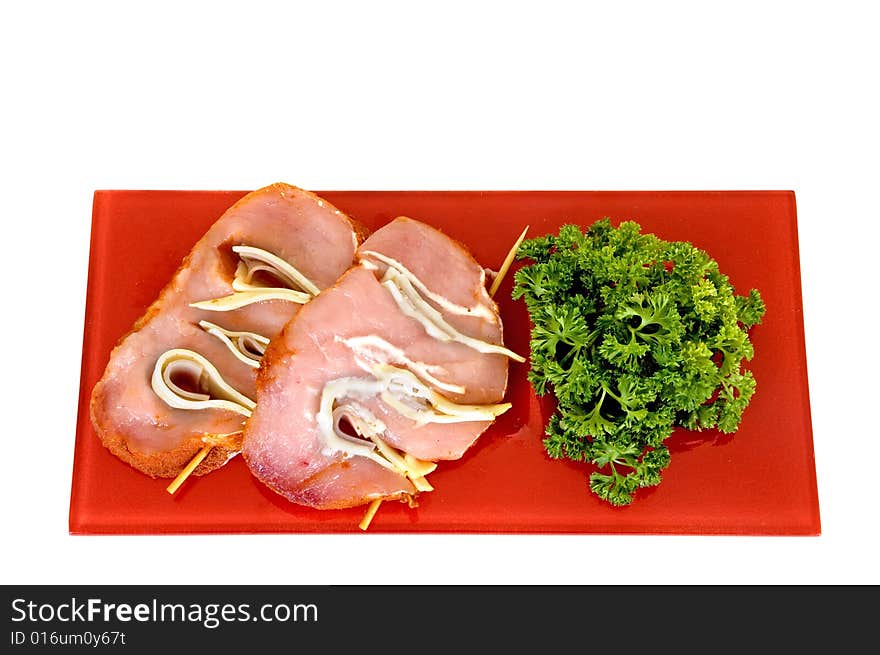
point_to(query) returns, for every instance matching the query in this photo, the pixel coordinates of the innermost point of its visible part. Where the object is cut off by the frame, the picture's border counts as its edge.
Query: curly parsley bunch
(634, 336)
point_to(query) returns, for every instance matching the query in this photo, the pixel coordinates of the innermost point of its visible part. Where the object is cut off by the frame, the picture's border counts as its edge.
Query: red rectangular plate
(760, 481)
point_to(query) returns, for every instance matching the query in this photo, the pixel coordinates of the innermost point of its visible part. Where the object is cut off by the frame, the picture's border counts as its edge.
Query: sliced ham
(357, 387)
(133, 422)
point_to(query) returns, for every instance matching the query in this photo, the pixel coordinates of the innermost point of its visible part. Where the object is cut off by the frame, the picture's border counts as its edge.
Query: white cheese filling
(252, 260)
(480, 309)
(214, 392)
(413, 305)
(371, 350)
(248, 347)
(401, 390)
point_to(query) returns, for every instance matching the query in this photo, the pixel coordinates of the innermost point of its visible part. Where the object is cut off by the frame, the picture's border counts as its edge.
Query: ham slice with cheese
(399, 365)
(185, 375)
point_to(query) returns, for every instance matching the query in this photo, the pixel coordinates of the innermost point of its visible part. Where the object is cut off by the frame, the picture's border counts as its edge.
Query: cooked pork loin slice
(247, 276)
(398, 365)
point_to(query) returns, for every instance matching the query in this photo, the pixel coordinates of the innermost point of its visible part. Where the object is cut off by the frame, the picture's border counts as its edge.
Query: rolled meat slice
(185, 375)
(397, 366)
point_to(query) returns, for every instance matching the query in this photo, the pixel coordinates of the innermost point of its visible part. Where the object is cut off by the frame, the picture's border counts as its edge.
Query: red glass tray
(760, 481)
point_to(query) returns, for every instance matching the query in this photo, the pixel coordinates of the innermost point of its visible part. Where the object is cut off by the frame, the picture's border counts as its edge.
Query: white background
(378, 95)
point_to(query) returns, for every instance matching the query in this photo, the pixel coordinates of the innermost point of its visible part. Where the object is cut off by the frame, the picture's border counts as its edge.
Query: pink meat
(447, 268)
(282, 444)
(134, 423)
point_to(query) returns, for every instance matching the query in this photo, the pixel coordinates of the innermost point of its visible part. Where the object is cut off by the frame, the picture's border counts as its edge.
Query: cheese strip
(414, 306)
(248, 347)
(215, 392)
(241, 299)
(256, 259)
(371, 350)
(401, 390)
(481, 310)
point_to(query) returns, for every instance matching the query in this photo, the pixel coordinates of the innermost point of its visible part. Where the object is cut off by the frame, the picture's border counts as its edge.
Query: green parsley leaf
(634, 336)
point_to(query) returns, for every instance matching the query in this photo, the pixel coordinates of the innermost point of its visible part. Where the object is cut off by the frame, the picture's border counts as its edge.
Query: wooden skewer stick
(374, 506)
(507, 262)
(188, 469)
(369, 514)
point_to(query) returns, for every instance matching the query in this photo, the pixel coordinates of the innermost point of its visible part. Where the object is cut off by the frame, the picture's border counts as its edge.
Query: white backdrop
(380, 95)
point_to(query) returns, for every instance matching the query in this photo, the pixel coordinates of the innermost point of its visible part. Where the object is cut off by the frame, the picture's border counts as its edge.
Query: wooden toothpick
(369, 514)
(507, 262)
(188, 469)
